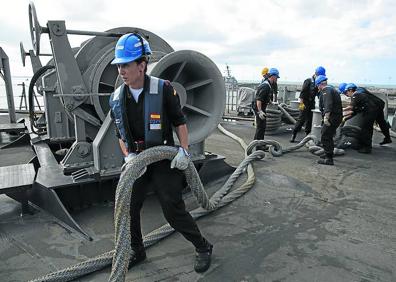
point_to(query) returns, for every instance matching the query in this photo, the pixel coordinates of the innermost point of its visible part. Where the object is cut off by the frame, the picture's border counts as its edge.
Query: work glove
(128, 159)
(262, 115)
(181, 160)
(348, 113)
(301, 106)
(326, 120)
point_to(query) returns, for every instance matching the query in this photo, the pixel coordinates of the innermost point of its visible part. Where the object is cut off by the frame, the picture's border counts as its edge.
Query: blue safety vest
(153, 113)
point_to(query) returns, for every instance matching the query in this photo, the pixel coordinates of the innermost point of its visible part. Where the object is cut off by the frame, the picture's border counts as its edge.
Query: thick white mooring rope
(119, 257)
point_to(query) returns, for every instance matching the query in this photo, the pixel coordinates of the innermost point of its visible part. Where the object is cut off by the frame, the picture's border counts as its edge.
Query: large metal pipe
(316, 123)
(316, 117)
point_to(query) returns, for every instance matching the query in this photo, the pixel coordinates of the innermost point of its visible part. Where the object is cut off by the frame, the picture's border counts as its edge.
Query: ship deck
(300, 222)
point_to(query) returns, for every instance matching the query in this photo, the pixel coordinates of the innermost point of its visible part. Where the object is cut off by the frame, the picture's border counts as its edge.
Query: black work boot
(293, 138)
(386, 140)
(138, 257)
(203, 259)
(326, 161)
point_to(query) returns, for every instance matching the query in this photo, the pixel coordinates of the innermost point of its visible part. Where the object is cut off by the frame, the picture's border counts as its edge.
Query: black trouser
(382, 123)
(328, 133)
(261, 124)
(304, 117)
(168, 185)
(366, 134)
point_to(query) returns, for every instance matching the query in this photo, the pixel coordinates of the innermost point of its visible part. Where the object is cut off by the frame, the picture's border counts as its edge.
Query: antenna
(228, 71)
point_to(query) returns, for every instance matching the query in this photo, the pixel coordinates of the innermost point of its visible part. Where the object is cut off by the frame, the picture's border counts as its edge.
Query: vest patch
(155, 121)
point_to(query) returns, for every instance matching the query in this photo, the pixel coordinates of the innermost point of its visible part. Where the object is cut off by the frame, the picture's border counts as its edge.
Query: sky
(354, 40)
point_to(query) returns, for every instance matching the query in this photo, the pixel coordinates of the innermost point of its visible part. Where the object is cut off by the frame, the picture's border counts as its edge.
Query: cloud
(10, 34)
(349, 38)
(200, 32)
(250, 50)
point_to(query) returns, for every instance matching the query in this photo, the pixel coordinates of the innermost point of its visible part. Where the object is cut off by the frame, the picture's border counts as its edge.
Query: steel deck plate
(16, 177)
(9, 127)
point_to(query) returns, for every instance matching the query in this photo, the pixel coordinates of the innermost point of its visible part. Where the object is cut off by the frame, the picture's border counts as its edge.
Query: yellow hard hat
(264, 71)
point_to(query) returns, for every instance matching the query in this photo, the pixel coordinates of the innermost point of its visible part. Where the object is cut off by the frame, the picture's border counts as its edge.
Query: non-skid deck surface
(16, 176)
(16, 155)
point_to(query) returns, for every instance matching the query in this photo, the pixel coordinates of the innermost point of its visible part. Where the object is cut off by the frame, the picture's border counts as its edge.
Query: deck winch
(76, 84)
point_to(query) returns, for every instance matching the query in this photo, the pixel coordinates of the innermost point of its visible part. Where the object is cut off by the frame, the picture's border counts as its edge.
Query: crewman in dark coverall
(307, 103)
(144, 109)
(263, 98)
(331, 108)
(372, 109)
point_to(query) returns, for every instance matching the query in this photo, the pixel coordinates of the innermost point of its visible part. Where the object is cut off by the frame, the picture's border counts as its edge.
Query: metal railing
(21, 99)
(231, 98)
(286, 94)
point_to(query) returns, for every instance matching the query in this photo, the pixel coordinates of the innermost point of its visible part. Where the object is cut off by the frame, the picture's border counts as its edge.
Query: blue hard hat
(273, 71)
(320, 71)
(319, 79)
(129, 48)
(342, 87)
(350, 86)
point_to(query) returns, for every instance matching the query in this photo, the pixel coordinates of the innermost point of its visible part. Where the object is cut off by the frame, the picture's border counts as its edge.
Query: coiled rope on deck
(277, 150)
(119, 257)
(273, 120)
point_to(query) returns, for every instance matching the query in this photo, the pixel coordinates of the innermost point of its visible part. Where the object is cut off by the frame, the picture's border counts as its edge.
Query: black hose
(32, 114)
